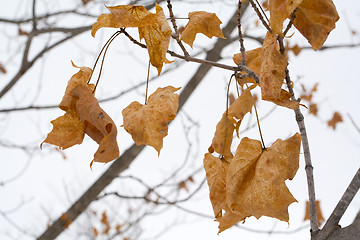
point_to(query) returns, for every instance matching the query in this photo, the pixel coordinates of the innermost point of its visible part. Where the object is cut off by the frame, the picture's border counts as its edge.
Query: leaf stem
(258, 121)
(102, 49)
(227, 95)
(241, 39)
(176, 36)
(103, 59)
(147, 83)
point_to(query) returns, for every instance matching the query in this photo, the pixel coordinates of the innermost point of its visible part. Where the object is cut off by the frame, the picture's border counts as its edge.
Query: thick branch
(123, 162)
(331, 229)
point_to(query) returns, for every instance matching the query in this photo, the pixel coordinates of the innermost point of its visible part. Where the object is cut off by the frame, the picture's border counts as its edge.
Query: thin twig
(241, 39)
(260, 16)
(239, 68)
(305, 143)
(353, 122)
(291, 22)
(147, 83)
(176, 36)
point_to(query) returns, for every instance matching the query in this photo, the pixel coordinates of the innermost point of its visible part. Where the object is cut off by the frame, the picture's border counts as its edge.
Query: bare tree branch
(331, 229)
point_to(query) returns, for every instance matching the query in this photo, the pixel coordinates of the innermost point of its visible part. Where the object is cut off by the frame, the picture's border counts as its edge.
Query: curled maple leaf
(157, 38)
(148, 124)
(83, 115)
(201, 22)
(99, 126)
(123, 16)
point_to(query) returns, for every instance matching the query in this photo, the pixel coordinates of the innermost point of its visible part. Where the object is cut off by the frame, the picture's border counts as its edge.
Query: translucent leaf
(148, 124)
(157, 38)
(123, 16)
(201, 22)
(272, 71)
(315, 19)
(279, 11)
(255, 181)
(216, 169)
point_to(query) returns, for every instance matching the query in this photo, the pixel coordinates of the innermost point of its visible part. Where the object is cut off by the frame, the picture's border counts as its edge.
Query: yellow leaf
(315, 19)
(279, 11)
(255, 181)
(201, 22)
(320, 218)
(216, 169)
(272, 71)
(123, 16)
(335, 120)
(157, 38)
(148, 124)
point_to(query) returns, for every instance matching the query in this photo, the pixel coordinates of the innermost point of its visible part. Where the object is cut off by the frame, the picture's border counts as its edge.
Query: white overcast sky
(47, 184)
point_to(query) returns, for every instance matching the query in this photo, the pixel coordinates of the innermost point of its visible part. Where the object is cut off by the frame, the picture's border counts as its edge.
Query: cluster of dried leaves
(250, 182)
(147, 124)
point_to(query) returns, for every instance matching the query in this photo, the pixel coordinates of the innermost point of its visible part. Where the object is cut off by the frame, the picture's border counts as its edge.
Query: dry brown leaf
(335, 120)
(157, 38)
(221, 142)
(296, 49)
(148, 124)
(86, 1)
(105, 222)
(99, 126)
(201, 22)
(216, 169)
(2, 69)
(242, 105)
(313, 109)
(272, 71)
(230, 121)
(279, 11)
(285, 100)
(255, 181)
(320, 218)
(315, 19)
(68, 129)
(253, 62)
(123, 16)
(83, 115)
